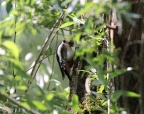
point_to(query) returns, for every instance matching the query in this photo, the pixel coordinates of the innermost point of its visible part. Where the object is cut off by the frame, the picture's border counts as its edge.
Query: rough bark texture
(132, 54)
(77, 85)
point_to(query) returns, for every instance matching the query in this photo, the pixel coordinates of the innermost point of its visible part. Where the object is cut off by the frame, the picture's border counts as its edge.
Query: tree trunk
(132, 54)
(131, 43)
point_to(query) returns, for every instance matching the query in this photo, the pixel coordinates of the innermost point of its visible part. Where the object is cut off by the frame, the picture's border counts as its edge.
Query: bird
(65, 56)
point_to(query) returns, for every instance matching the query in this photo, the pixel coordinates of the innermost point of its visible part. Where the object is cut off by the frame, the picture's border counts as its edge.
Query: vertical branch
(53, 62)
(39, 62)
(108, 102)
(109, 65)
(45, 43)
(15, 33)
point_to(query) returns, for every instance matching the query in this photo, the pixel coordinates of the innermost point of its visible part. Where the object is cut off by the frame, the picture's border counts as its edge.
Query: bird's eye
(64, 41)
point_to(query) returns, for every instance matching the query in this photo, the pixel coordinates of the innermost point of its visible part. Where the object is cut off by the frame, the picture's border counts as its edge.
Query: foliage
(87, 22)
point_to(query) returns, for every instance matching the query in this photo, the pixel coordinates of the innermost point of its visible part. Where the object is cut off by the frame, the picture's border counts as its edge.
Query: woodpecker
(65, 55)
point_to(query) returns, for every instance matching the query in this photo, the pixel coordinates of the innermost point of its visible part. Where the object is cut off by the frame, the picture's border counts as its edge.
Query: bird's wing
(61, 65)
(65, 62)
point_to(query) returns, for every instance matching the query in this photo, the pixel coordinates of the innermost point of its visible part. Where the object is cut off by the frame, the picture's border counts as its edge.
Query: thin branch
(15, 33)
(45, 43)
(32, 111)
(44, 55)
(43, 47)
(40, 61)
(52, 64)
(111, 27)
(109, 66)
(43, 58)
(6, 109)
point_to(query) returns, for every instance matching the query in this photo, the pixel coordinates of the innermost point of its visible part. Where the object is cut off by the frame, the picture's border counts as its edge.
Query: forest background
(108, 71)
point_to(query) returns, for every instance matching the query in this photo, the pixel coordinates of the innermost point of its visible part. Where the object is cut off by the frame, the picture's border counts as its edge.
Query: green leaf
(21, 72)
(18, 78)
(117, 73)
(64, 112)
(13, 48)
(77, 38)
(74, 104)
(39, 90)
(6, 37)
(97, 82)
(75, 100)
(16, 62)
(117, 94)
(20, 26)
(49, 52)
(39, 105)
(49, 96)
(66, 24)
(61, 95)
(22, 88)
(25, 104)
(131, 94)
(88, 7)
(101, 89)
(9, 6)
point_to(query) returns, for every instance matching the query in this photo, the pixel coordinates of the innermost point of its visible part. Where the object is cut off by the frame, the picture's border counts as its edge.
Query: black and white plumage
(65, 56)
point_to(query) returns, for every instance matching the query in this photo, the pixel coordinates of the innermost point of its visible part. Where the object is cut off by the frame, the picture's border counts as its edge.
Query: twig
(111, 27)
(6, 109)
(15, 33)
(40, 61)
(38, 65)
(32, 111)
(43, 58)
(45, 43)
(52, 64)
(43, 47)
(44, 55)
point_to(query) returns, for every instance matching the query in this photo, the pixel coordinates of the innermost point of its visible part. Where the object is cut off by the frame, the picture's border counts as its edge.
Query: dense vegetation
(108, 70)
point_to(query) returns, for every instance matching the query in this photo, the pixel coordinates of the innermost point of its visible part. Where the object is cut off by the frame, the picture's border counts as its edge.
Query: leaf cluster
(85, 24)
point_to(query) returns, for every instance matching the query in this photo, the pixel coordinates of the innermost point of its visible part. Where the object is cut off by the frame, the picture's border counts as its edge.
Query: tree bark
(132, 54)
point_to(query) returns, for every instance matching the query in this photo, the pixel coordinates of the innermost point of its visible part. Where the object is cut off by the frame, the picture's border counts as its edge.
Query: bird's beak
(71, 43)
